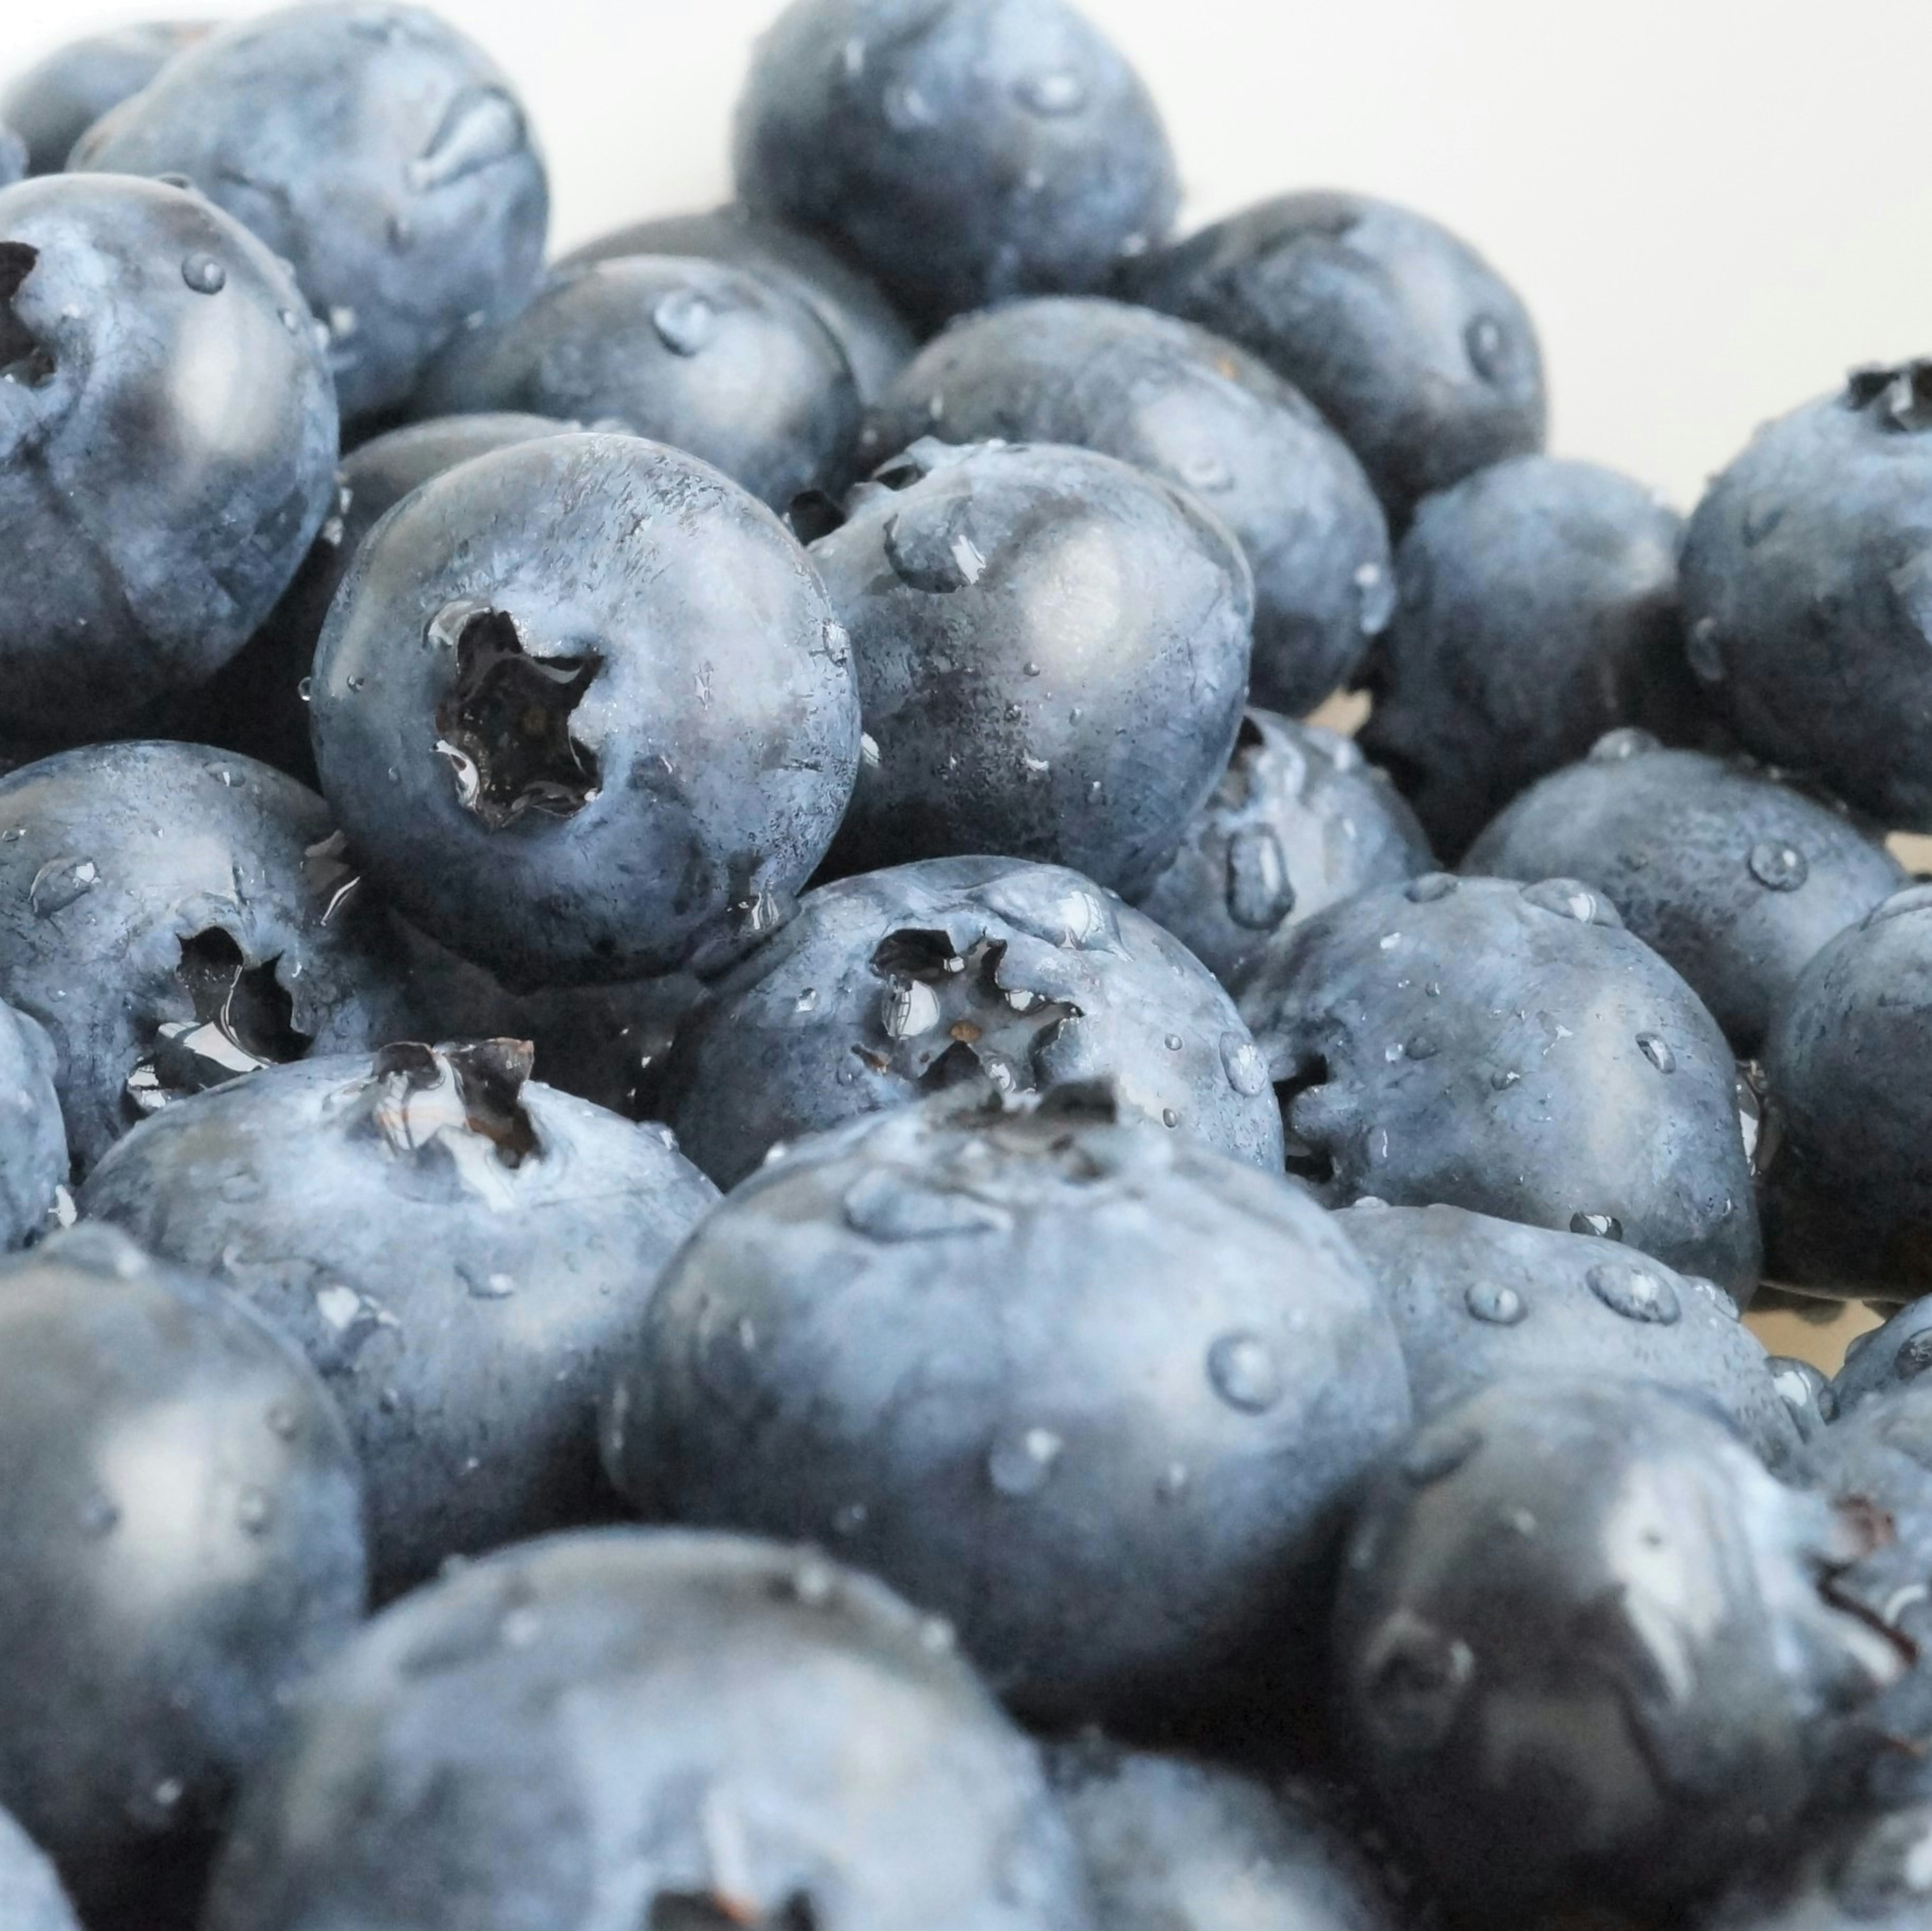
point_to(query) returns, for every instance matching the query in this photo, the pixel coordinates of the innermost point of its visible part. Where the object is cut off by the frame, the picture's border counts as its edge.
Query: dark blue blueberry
(1477, 1300)
(1588, 1651)
(1736, 879)
(58, 98)
(31, 1895)
(174, 916)
(460, 1252)
(1484, 1044)
(1408, 342)
(167, 445)
(1847, 1192)
(1537, 610)
(960, 151)
(1122, 1511)
(257, 703)
(875, 339)
(582, 702)
(1052, 652)
(896, 984)
(1886, 1358)
(385, 155)
(1197, 411)
(33, 1136)
(727, 365)
(679, 1732)
(182, 1520)
(1174, 1845)
(1299, 821)
(1871, 1872)
(1807, 593)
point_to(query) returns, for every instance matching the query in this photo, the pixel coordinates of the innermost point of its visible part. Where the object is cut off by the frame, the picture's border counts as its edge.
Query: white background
(1713, 208)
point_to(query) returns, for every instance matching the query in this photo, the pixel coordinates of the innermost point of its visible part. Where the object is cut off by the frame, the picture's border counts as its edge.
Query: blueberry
(1406, 339)
(184, 1542)
(1807, 593)
(570, 751)
(1123, 1513)
(1736, 879)
(1052, 652)
(1886, 1358)
(1491, 1046)
(33, 1136)
(1299, 821)
(255, 701)
(379, 150)
(724, 364)
(1174, 1845)
(1587, 1648)
(1536, 609)
(674, 1730)
(874, 338)
(31, 1897)
(1847, 1195)
(459, 1251)
(13, 156)
(1197, 411)
(899, 983)
(1867, 1873)
(960, 151)
(167, 445)
(58, 99)
(1477, 1300)
(174, 916)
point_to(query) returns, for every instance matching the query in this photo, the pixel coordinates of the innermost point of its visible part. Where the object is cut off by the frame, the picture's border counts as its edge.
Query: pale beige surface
(1713, 208)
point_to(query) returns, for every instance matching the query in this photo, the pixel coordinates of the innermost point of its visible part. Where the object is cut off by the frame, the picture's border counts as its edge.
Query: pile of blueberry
(1215, 1394)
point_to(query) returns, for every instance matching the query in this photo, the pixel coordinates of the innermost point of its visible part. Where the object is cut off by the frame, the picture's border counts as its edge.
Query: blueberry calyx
(1900, 397)
(24, 358)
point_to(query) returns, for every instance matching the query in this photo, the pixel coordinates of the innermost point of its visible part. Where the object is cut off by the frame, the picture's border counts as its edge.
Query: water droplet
(1374, 604)
(1430, 886)
(1421, 1047)
(936, 1636)
(1781, 866)
(686, 321)
(59, 883)
(1260, 893)
(204, 275)
(1245, 1373)
(1173, 1483)
(807, 1001)
(169, 1792)
(1704, 652)
(1619, 746)
(1914, 1356)
(253, 1511)
(1245, 1065)
(1031, 669)
(1173, 1043)
(814, 1582)
(1020, 1462)
(1488, 346)
(1569, 900)
(1599, 1226)
(1057, 91)
(849, 1520)
(1169, 1117)
(908, 1008)
(290, 320)
(1751, 1112)
(343, 322)
(1206, 473)
(868, 750)
(282, 1421)
(931, 548)
(907, 110)
(1500, 1306)
(1377, 1146)
(489, 1286)
(1504, 1078)
(1656, 1049)
(484, 126)
(1634, 1293)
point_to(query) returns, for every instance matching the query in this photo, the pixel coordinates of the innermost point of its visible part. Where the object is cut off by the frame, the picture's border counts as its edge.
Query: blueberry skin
(1299, 822)
(1116, 1391)
(167, 445)
(13, 156)
(1504, 1048)
(628, 668)
(1736, 879)
(1865, 1873)
(58, 99)
(460, 1252)
(786, 1743)
(1477, 1300)
(730, 367)
(33, 1136)
(1197, 412)
(873, 334)
(961, 151)
(1886, 1358)
(1847, 1198)
(1424, 358)
(1522, 1676)
(173, 916)
(1536, 609)
(1052, 652)
(183, 1532)
(31, 1897)
(1174, 1845)
(1807, 593)
(856, 1005)
(253, 703)
(383, 154)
